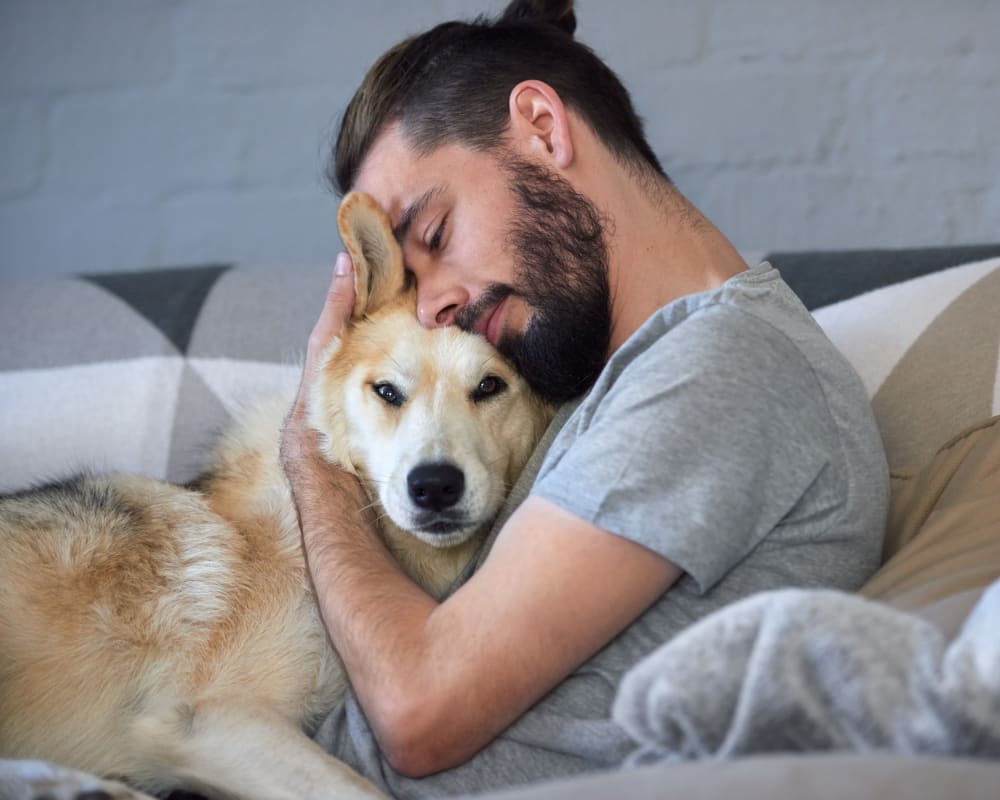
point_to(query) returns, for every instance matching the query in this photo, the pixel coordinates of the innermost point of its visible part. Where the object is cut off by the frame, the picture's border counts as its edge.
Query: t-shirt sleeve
(700, 446)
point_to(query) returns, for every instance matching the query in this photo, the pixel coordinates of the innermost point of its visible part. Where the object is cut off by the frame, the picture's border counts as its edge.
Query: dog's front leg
(250, 754)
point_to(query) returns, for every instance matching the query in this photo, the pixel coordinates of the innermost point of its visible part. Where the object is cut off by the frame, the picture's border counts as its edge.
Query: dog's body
(170, 636)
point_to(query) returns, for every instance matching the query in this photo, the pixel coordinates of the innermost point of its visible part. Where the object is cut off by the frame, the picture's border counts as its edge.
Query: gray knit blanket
(795, 670)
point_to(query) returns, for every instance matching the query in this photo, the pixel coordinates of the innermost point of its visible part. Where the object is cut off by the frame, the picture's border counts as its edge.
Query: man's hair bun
(557, 13)
(452, 85)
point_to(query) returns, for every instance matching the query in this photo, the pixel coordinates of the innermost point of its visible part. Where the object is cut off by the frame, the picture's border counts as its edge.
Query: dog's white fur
(169, 636)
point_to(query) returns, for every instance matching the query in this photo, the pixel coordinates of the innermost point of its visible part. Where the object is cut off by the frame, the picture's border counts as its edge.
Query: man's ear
(538, 121)
(379, 275)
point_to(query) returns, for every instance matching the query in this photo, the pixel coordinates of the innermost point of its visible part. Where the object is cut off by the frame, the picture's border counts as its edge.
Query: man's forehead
(402, 178)
(389, 171)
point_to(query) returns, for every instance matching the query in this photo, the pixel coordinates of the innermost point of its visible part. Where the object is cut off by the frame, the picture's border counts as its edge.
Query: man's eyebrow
(412, 211)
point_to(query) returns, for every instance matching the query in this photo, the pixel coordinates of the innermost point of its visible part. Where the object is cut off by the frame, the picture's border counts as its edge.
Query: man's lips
(489, 324)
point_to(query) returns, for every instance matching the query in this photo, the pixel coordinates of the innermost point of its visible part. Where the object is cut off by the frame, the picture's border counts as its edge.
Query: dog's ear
(378, 261)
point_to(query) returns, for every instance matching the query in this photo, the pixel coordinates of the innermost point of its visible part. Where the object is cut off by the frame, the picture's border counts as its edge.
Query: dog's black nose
(435, 486)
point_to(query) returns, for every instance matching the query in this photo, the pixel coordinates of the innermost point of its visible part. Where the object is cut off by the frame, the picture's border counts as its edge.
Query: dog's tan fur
(169, 635)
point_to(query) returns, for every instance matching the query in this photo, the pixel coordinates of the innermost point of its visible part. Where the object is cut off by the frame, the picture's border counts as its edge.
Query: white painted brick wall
(141, 133)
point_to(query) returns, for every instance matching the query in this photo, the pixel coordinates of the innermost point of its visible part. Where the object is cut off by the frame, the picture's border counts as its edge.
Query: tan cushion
(928, 352)
(943, 533)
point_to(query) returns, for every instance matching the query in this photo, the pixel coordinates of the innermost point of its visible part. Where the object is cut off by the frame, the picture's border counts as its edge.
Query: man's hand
(331, 503)
(298, 440)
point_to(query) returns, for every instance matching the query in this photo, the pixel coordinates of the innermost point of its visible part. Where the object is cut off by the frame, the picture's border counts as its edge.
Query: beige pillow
(928, 352)
(943, 534)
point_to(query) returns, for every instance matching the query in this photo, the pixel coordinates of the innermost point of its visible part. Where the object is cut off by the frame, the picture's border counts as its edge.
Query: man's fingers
(298, 440)
(337, 308)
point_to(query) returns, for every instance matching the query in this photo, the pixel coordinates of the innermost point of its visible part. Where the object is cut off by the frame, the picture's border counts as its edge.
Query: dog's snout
(436, 486)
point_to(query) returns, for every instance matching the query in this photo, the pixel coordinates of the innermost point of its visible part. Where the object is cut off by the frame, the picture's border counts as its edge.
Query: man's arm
(439, 681)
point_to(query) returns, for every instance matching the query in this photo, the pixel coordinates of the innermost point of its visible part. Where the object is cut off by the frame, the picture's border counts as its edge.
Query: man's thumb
(338, 305)
(341, 292)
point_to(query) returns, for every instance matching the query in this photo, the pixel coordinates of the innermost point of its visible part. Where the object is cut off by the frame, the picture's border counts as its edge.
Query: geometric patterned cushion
(928, 351)
(139, 371)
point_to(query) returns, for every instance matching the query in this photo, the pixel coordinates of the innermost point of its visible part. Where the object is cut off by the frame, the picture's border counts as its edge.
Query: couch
(138, 371)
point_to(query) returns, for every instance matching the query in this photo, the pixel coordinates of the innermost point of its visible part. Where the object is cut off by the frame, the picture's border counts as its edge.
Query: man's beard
(561, 270)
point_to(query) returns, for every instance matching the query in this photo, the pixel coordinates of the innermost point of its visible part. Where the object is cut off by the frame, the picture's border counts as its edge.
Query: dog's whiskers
(371, 505)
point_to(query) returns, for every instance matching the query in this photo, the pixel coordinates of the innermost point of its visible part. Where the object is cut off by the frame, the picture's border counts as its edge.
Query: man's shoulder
(714, 345)
(707, 367)
(755, 306)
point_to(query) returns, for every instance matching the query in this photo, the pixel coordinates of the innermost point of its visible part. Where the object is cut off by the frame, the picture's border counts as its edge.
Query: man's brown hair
(453, 83)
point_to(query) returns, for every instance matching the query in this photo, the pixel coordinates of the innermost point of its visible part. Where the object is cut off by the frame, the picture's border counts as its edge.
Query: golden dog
(169, 635)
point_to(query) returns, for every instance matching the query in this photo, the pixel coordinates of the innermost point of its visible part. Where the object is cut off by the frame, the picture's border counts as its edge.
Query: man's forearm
(375, 614)
(376, 617)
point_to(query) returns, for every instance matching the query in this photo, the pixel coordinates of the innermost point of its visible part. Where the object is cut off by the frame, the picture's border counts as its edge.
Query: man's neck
(662, 248)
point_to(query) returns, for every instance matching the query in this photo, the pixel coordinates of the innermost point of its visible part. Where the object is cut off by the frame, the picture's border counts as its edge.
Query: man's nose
(437, 306)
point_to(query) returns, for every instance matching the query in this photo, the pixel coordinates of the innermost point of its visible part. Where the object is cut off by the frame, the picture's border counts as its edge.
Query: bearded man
(711, 443)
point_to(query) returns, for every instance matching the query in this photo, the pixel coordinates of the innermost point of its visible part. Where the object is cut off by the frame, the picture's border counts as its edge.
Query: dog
(169, 636)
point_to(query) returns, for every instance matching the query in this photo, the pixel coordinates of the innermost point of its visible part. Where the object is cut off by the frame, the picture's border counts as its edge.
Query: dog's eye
(389, 393)
(488, 387)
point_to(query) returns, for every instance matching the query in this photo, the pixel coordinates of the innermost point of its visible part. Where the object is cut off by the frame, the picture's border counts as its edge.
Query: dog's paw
(40, 780)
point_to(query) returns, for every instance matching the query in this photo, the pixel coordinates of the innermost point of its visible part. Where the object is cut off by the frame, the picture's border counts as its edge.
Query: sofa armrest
(831, 776)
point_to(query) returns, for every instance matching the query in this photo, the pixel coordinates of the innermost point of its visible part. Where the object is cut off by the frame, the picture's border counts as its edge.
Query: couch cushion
(139, 371)
(943, 533)
(927, 350)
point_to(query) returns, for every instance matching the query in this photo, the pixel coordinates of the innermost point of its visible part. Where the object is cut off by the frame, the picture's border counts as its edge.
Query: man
(721, 445)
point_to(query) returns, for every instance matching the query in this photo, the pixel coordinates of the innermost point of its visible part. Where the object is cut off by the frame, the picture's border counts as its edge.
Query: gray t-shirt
(729, 436)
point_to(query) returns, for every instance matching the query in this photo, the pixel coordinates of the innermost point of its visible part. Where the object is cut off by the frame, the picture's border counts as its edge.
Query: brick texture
(141, 133)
